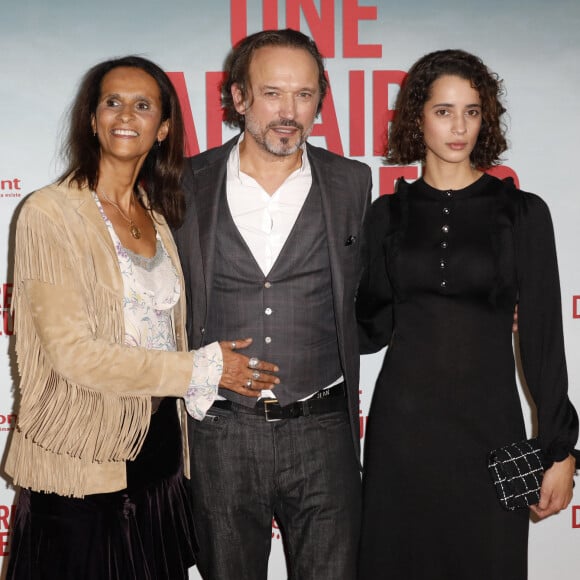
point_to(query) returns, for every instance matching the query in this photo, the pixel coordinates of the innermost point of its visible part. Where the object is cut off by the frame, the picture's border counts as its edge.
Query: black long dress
(445, 271)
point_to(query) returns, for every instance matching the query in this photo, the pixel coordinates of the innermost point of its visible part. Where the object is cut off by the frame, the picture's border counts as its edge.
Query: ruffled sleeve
(205, 378)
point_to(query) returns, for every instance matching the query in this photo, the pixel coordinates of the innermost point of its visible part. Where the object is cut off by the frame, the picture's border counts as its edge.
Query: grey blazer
(345, 187)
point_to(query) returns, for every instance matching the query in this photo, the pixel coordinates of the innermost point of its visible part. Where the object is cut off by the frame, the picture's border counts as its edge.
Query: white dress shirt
(265, 221)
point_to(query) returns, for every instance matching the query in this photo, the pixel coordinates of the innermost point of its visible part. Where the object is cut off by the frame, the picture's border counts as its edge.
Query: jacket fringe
(33, 467)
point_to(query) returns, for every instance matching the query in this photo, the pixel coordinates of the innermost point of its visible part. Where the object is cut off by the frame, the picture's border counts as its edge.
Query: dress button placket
(446, 211)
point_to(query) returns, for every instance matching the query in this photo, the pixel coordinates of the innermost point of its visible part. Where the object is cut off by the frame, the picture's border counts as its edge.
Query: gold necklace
(135, 231)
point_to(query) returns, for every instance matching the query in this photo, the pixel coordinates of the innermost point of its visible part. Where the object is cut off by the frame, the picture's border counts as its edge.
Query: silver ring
(256, 375)
(234, 345)
(249, 383)
(253, 362)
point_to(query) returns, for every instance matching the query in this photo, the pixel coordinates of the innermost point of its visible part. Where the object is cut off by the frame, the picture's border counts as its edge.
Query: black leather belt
(324, 401)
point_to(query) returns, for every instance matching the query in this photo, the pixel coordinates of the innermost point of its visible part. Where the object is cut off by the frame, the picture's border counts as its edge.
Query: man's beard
(279, 146)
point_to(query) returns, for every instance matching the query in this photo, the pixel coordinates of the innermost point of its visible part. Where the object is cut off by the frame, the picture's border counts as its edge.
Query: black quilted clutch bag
(517, 472)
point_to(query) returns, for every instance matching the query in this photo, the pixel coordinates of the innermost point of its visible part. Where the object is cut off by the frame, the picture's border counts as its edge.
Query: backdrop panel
(45, 47)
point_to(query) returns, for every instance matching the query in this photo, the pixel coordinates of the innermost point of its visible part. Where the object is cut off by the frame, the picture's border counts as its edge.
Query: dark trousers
(302, 471)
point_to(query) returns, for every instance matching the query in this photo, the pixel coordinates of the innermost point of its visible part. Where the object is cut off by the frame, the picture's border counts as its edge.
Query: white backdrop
(45, 47)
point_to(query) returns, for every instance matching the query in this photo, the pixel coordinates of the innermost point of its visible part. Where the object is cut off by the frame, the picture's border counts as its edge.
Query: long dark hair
(238, 66)
(160, 175)
(406, 144)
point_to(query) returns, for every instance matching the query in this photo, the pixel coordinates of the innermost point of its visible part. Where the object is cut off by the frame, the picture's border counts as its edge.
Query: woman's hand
(556, 490)
(243, 375)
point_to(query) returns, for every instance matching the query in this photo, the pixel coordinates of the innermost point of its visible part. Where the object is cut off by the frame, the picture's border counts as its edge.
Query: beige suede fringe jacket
(85, 398)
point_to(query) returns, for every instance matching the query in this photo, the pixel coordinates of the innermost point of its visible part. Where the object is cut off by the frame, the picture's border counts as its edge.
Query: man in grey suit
(271, 249)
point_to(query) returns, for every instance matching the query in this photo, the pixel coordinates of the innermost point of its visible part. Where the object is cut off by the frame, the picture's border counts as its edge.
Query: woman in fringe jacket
(100, 449)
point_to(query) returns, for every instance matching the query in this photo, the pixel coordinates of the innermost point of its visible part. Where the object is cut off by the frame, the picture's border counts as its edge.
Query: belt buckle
(267, 403)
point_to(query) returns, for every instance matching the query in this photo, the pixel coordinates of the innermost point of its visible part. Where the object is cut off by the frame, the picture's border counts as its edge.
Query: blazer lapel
(336, 211)
(209, 184)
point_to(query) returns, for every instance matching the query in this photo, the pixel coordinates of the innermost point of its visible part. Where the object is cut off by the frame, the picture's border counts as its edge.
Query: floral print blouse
(151, 290)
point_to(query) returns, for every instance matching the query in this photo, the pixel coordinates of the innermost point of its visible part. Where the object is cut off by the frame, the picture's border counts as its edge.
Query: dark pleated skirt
(144, 532)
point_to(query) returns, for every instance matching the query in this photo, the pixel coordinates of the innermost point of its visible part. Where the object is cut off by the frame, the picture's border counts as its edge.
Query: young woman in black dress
(450, 256)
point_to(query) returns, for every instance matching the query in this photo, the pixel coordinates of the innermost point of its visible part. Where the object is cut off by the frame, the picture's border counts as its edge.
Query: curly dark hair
(160, 175)
(406, 144)
(237, 67)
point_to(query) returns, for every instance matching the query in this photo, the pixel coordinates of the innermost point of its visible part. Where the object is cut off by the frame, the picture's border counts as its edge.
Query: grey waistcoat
(289, 313)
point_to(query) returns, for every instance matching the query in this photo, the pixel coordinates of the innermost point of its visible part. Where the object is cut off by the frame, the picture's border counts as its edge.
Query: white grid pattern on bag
(525, 469)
